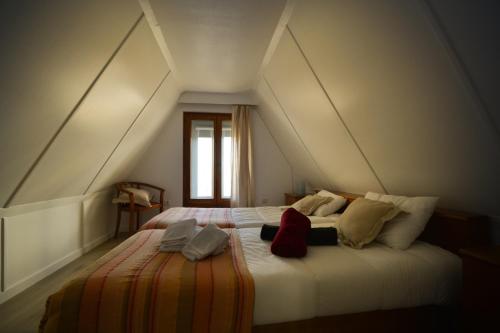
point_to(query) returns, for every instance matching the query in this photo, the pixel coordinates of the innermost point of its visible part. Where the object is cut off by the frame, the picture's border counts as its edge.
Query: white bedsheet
(241, 217)
(256, 216)
(333, 280)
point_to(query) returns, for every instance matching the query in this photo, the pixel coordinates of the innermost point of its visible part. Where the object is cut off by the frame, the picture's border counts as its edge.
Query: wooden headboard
(451, 230)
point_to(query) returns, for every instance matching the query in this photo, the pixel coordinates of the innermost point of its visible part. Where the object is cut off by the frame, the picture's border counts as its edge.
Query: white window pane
(227, 159)
(202, 159)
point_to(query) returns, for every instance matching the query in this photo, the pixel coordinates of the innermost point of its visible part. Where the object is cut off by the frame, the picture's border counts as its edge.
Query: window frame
(217, 201)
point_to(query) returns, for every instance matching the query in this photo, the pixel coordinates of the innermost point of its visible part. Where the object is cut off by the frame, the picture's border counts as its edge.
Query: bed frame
(451, 230)
(468, 229)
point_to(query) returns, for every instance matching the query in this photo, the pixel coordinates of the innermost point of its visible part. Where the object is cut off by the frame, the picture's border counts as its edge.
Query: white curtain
(242, 186)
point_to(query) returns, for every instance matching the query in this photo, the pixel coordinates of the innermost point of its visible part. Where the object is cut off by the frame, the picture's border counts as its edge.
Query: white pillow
(404, 229)
(330, 207)
(309, 203)
(141, 197)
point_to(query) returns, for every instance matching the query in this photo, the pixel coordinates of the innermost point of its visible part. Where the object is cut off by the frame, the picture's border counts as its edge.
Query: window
(207, 159)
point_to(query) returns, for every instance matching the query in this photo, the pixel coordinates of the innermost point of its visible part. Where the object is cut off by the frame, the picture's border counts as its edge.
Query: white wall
(304, 167)
(42, 237)
(51, 53)
(379, 105)
(471, 29)
(100, 122)
(162, 163)
(140, 136)
(83, 94)
(273, 173)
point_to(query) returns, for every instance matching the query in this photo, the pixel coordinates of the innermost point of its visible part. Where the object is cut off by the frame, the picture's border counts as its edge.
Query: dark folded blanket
(317, 236)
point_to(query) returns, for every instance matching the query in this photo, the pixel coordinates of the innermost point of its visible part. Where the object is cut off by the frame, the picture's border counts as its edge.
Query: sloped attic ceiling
(381, 102)
(217, 45)
(77, 86)
(360, 96)
(384, 96)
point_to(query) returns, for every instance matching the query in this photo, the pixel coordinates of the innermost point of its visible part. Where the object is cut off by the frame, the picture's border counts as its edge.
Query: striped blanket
(222, 217)
(136, 288)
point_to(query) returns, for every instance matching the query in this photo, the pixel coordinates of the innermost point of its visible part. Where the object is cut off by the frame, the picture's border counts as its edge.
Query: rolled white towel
(210, 240)
(177, 235)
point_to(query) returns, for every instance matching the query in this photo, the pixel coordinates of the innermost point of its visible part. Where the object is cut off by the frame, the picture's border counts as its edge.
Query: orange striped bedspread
(222, 217)
(136, 288)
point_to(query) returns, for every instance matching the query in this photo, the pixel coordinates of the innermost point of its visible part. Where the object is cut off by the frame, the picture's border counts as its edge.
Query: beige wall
(83, 94)
(389, 96)
(304, 166)
(43, 237)
(471, 29)
(140, 137)
(162, 163)
(53, 50)
(100, 122)
(379, 105)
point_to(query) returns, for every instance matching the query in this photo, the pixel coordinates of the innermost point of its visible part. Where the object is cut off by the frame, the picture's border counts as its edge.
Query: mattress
(228, 217)
(334, 280)
(257, 216)
(330, 280)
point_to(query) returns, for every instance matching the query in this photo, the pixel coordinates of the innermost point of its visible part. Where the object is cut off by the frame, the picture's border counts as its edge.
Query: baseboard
(30, 280)
(96, 242)
(42, 273)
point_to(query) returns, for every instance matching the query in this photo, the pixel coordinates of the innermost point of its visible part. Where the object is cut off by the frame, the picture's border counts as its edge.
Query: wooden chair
(133, 208)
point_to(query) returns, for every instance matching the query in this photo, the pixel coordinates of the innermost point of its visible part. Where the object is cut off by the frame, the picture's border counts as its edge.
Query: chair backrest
(156, 193)
(122, 185)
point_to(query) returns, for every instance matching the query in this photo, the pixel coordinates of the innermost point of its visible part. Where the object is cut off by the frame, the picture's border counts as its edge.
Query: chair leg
(118, 220)
(131, 222)
(138, 222)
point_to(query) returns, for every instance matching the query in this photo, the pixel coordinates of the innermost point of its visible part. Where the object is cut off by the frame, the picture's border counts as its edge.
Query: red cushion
(291, 239)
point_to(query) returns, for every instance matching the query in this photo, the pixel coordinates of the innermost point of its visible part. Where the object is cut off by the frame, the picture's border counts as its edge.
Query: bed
(335, 280)
(228, 217)
(136, 288)
(332, 289)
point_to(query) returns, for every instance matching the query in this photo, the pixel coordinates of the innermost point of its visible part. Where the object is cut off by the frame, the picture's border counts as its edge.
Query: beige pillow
(331, 207)
(308, 204)
(362, 221)
(141, 197)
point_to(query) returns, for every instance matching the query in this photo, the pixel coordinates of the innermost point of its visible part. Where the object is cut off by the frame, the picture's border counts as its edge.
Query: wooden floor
(22, 313)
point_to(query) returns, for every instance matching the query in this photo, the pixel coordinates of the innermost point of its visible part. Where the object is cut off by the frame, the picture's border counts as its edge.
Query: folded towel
(177, 235)
(209, 241)
(290, 240)
(171, 248)
(317, 236)
(322, 236)
(268, 232)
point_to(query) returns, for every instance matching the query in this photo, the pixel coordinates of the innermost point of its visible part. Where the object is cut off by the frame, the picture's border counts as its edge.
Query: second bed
(228, 217)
